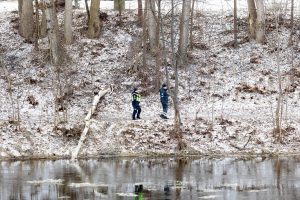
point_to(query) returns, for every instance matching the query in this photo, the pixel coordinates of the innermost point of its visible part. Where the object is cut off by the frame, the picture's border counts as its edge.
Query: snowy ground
(227, 96)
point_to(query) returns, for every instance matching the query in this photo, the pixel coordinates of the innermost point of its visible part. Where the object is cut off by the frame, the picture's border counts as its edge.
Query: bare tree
(279, 107)
(119, 5)
(184, 32)
(145, 34)
(252, 18)
(158, 47)
(235, 23)
(175, 66)
(68, 22)
(291, 24)
(52, 30)
(26, 20)
(260, 22)
(15, 117)
(163, 52)
(37, 26)
(151, 11)
(94, 27)
(20, 2)
(192, 24)
(43, 28)
(140, 12)
(87, 10)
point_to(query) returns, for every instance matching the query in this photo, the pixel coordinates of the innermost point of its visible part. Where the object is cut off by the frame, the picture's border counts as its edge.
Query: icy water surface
(162, 178)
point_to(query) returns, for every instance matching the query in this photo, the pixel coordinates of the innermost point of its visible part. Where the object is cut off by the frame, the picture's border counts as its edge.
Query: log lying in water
(88, 121)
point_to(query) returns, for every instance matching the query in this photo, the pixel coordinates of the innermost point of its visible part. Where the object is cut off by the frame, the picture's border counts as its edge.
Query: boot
(163, 116)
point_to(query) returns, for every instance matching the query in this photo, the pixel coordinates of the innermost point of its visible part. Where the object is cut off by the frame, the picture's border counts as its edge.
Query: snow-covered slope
(227, 96)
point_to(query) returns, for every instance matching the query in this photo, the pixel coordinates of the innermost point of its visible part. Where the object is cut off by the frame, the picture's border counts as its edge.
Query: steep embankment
(227, 96)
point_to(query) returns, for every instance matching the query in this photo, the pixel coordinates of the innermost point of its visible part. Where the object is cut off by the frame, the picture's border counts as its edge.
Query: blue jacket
(163, 96)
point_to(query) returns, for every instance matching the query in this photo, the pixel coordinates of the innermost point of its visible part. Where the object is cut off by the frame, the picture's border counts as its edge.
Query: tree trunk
(20, 2)
(173, 33)
(151, 24)
(192, 24)
(158, 48)
(260, 22)
(26, 20)
(77, 6)
(68, 22)
(292, 15)
(52, 30)
(87, 10)
(119, 5)
(43, 29)
(176, 103)
(291, 24)
(252, 18)
(279, 108)
(145, 36)
(140, 12)
(37, 25)
(184, 32)
(174, 65)
(94, 22)
(235, 23)
(164, 54)
(88, 122)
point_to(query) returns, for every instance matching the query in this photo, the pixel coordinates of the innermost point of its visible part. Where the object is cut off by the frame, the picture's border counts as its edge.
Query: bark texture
(43, 29)
(252, 18)
(184, 32)
(52, 31)
(27, 22)
(140, 12)
(94, 27)
(235, 28)
(260, 22)
(151, 11)
(68, 22)
(119, 5)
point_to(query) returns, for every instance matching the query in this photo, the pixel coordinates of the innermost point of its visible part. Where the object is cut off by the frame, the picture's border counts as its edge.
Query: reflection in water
(157, 179)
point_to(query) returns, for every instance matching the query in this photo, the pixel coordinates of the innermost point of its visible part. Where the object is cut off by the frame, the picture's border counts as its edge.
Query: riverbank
(227, 96)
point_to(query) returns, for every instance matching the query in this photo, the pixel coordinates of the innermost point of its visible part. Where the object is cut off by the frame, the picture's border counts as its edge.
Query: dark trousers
(136, 110)
(165, 107)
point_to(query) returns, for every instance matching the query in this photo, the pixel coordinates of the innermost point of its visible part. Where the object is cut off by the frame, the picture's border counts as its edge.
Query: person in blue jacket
(164, 99)
(136, 98)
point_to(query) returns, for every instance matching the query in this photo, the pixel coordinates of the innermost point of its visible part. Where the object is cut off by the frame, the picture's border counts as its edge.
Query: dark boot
(133, 114)
(164, 116)
(139, 113)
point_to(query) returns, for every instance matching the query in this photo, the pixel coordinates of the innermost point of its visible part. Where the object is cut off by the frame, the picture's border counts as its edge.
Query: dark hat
(135, 89)
(164, 85)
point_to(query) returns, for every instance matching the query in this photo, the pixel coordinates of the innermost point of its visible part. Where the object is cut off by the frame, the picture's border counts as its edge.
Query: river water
(160, 178)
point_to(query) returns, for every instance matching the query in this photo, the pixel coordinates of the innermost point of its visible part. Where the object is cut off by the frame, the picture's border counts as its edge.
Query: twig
(244, 147)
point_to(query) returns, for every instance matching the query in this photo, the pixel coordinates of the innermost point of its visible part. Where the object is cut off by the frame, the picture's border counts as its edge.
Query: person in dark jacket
(164, 99)
(136, 98)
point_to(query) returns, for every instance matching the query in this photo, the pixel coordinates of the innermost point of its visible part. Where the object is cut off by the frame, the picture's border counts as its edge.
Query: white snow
(8, 5)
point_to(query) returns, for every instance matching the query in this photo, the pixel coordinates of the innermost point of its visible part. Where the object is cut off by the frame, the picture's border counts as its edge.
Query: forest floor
(227, 96)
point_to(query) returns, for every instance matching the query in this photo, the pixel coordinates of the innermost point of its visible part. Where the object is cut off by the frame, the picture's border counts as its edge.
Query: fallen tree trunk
(88, 121)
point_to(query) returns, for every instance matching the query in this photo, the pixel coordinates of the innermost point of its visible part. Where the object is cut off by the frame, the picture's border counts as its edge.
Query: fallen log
(88, 121)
